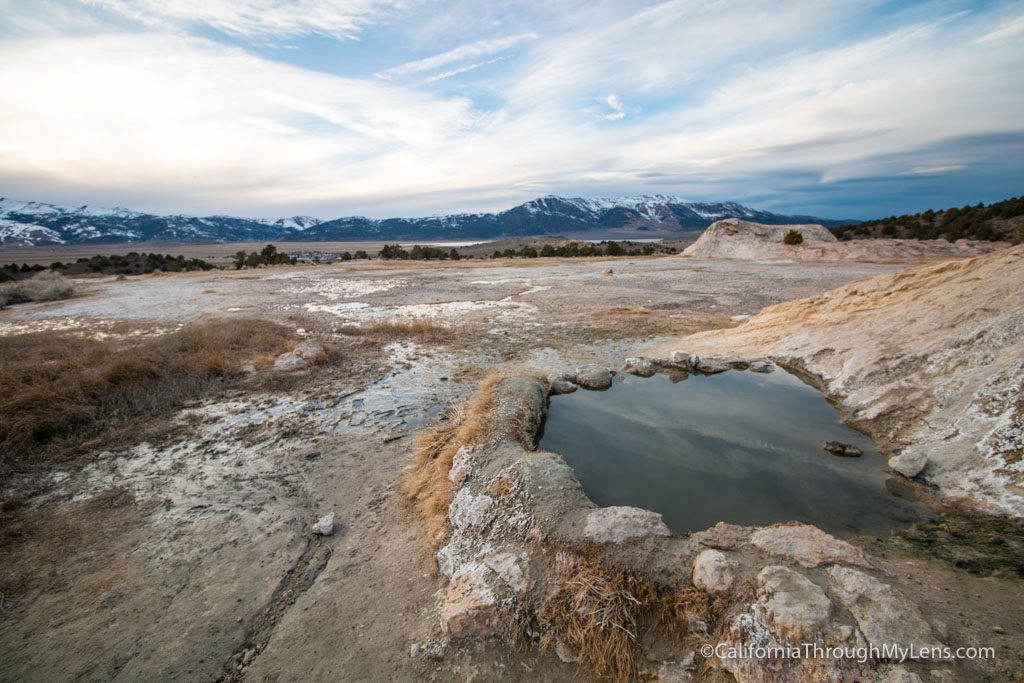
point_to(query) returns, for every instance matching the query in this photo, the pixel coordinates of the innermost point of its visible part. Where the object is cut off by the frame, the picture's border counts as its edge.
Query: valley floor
(189, 556)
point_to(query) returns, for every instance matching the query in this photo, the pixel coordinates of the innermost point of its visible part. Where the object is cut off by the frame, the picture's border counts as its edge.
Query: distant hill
(35, 224)
(1001, 221)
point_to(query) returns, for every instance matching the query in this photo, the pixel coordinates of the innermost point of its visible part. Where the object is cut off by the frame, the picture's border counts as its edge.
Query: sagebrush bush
(44, 286)
(793, 237)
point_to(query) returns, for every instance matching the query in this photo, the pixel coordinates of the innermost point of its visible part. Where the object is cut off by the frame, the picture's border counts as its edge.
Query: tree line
(999, 221)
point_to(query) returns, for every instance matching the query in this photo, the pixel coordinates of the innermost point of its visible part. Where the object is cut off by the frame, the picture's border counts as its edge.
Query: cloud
(460, 70)
(262, 18)
(143, 111)
(618, 111)
(474, 50)
(702, 106)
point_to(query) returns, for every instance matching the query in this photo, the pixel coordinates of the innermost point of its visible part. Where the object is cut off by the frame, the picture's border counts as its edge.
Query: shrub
(44, 286)
(793, 237)
(57, 385)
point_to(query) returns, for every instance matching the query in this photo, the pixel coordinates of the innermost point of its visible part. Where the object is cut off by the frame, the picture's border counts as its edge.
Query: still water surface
(739, 447)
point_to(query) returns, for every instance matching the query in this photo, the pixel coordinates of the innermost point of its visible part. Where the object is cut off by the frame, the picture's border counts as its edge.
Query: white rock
(290, 361)
(909, 464)
(713, 571)
(617, 524)
(511, 568)
(794, 605)
(468, 607)
(325, 525)
(643, 367)
(807, 545)
(460, 466)
(884, 615)
(469, 511)
(762, 366)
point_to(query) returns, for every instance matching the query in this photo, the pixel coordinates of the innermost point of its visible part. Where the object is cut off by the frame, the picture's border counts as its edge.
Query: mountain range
(35, 224)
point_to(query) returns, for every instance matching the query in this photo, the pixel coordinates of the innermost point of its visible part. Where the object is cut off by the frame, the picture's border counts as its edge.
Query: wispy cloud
(259, 18)
(473, 50)
(618, 110)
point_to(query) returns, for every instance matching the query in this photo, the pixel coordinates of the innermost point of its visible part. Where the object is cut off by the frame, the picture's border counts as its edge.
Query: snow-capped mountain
(33, 223)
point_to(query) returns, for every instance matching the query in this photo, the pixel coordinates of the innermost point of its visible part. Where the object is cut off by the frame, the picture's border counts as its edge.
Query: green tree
(793, 237)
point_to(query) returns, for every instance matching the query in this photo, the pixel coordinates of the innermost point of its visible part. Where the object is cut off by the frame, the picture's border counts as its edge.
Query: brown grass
(43, 286)
(625, 310)
(387, 330)
(61, 386)
(426, 482)
(599, 614)
(602, 613)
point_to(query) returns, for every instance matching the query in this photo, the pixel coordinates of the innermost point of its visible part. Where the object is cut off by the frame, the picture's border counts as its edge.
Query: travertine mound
(735, 238)
(930, 359)
(739, 239)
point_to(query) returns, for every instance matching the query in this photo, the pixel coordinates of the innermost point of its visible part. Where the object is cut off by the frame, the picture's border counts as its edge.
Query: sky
(414, 107)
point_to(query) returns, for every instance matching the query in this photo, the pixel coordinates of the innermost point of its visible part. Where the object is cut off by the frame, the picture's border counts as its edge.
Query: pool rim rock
(519, 517)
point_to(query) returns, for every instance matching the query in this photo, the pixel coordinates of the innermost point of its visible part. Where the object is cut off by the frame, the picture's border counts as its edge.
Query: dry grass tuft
(625, 310)
(603, 614)
(386, 330)
(426, 482)
(58, 386)
(44, 286)
(599, 613)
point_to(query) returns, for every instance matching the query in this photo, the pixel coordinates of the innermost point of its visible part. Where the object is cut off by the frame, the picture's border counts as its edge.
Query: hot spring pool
(739, 447)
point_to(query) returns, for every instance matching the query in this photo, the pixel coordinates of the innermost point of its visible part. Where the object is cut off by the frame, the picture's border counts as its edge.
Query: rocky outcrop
(792, 604)
(807, 545)
(594, 377)
(740, 239)
(641, 367)
(843, 450)
(525, 541)
(929, 360)
(468, 605)
(713, 572)
(301, 357)
(618, 524)
(885, 616)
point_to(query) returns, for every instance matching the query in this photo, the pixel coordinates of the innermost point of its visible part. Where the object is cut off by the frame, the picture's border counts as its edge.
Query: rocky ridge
(743, 239)
(519, 518)
(929, 360)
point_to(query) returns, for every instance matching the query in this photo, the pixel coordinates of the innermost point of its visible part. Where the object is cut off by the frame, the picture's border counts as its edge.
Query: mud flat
(190, 553)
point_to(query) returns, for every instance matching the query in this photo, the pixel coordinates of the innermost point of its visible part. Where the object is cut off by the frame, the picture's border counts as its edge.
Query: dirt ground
(190, 557)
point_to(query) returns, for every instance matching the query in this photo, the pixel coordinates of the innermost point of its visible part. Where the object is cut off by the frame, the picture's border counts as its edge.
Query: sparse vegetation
(624, 310)
(132, 263)
(60, 386)
(793, 238)
(426, 482)
(43, 286)
(601, 613)
(998, 221)
(268, 256)
(598, 613)
(418, 253)
(584, 249)
(385, 330)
